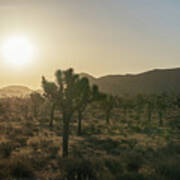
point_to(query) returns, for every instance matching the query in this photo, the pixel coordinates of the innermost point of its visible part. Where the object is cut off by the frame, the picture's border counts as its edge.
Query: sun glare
(18, 51)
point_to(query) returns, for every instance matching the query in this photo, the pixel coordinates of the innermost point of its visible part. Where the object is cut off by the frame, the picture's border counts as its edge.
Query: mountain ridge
(149, 82)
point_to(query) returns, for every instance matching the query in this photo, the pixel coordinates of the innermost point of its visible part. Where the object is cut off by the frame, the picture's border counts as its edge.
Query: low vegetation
(74, 132)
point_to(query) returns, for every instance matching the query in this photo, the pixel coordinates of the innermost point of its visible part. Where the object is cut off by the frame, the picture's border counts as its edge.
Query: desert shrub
(6, 149)
(21, 169)
(39, 161)
(114, 165)
(3, 169)
(20, 140)
(84, 168)
(174, 123)
(108, 145)
(133, 161)
(16, 169)
(168, 168)
(2, 109)
(131, 176)
(53, 149)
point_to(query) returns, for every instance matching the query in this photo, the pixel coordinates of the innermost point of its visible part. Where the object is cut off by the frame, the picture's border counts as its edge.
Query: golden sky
(98, 37)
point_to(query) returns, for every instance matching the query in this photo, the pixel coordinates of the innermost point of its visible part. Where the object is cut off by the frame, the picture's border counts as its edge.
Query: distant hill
(155, 81)
(19, 91)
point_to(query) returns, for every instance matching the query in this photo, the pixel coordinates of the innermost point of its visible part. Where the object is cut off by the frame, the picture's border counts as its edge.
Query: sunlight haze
(96, 37)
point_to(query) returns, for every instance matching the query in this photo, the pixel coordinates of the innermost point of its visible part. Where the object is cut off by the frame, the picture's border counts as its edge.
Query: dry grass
(121, 150)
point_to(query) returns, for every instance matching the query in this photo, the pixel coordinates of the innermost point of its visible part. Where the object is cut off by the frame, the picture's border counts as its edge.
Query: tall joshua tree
(68, 93)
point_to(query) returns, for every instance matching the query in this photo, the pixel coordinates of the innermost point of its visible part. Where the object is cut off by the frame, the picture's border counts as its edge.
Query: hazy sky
(95, 36)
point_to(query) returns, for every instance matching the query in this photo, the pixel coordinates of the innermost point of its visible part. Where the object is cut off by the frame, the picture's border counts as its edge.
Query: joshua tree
(68, 99)
(107, 104)
(36, 100)
(50, 92)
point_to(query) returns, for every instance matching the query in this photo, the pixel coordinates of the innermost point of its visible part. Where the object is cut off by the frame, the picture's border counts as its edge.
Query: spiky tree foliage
(67, 91)
(107, 104)
(36, 100)
(51, 93)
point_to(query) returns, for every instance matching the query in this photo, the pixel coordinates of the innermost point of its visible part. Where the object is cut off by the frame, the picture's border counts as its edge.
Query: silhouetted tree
(68, 93)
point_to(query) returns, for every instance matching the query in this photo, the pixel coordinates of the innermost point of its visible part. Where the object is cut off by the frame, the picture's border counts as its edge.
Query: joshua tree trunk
(52, 115)
(79, 123)
(66, 120)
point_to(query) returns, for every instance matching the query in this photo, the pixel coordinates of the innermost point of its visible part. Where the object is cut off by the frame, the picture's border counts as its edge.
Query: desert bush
(168, 168)
(16, 168)
(76, 168)
(133, 161)
(53, 150)
(6, 149)
(21, 169)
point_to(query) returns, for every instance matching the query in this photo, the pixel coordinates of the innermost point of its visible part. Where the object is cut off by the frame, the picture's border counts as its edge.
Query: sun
(18, 51)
